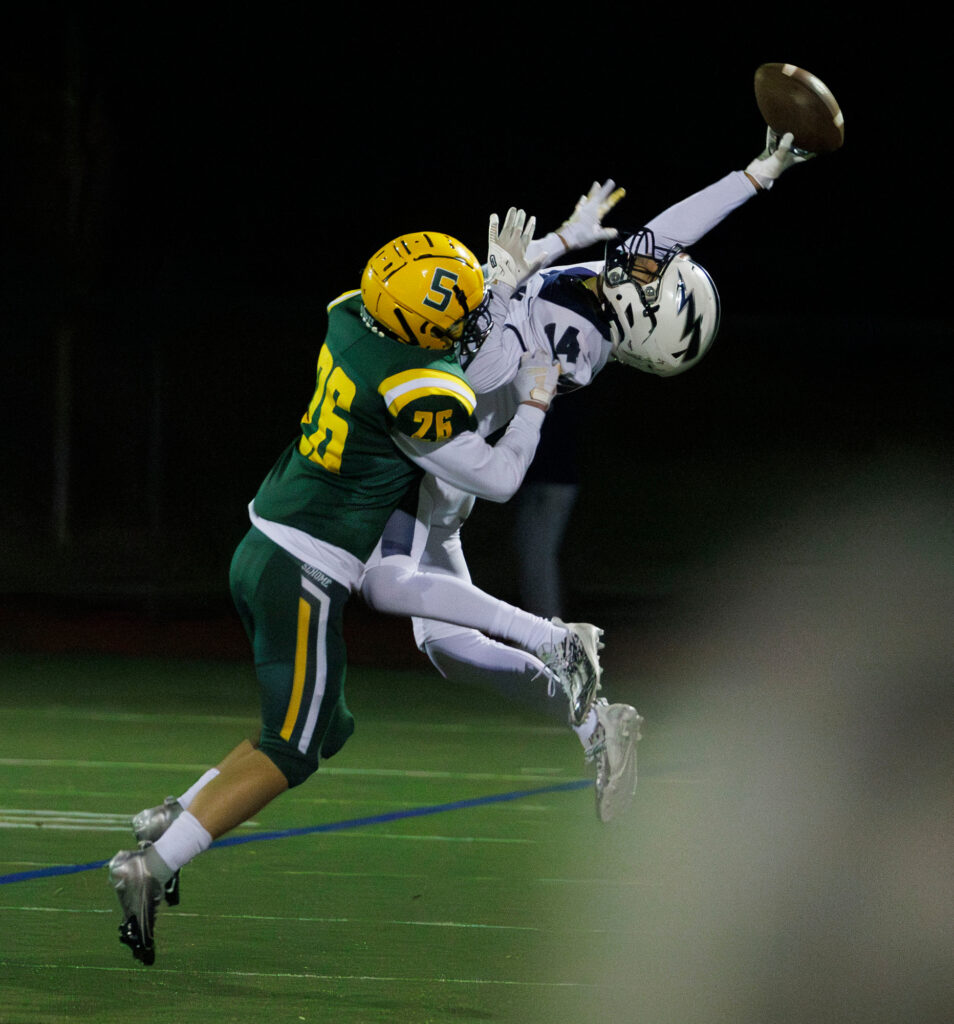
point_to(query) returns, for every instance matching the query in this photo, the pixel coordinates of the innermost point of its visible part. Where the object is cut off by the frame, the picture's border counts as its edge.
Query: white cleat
(612, 747)
(575, 661)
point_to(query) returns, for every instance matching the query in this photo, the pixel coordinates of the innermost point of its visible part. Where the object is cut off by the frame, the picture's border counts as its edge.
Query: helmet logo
(692, 330)
(439, 286)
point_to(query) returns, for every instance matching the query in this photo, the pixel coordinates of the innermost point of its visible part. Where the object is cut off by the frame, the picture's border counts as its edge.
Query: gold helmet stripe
(409, 385)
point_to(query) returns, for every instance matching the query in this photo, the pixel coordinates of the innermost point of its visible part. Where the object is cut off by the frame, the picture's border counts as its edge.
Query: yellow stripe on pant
(301, 664)
(310, 654)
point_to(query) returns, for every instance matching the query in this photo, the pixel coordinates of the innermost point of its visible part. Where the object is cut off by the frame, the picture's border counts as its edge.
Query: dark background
(185, 190)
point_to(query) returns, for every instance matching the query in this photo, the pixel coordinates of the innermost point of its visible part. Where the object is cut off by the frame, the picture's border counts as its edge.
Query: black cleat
(131, 935)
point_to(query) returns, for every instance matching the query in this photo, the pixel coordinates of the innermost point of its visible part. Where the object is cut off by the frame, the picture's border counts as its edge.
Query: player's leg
(609, 732)
(540, 649)
(294, 620)
(436, 584)
(469, 658)
(152, 822)
(419, 570)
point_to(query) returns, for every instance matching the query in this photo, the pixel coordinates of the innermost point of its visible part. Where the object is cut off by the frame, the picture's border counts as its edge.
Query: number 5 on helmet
(426, 289)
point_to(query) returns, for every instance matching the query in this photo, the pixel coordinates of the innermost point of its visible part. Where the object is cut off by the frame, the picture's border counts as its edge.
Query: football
(791, 99)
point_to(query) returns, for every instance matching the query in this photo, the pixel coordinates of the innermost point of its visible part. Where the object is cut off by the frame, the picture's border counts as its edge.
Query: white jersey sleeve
(468, 462)
(688, 220)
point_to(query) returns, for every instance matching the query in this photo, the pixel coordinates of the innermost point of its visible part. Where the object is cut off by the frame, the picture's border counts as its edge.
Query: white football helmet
(664, 310)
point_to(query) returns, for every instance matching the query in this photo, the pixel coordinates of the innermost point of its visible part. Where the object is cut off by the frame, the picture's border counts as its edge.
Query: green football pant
(292, 614)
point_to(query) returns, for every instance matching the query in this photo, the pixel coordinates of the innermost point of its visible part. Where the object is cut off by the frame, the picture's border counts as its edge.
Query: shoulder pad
(564, 288)
(342, 298)
(429, 404)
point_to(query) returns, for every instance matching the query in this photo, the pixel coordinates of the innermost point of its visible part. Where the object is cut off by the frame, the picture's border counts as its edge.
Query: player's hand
(507, 258)
(779, 154)
(536, 378)
(585, 225)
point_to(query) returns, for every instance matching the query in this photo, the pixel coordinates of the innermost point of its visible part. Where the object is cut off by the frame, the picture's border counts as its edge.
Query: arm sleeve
(683, 224)
(686, 222)
(493, 472)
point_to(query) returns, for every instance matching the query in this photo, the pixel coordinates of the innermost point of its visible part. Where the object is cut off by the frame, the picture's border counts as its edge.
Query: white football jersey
(554, 310)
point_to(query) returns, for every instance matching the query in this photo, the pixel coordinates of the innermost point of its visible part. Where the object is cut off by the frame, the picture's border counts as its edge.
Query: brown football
(794, 100)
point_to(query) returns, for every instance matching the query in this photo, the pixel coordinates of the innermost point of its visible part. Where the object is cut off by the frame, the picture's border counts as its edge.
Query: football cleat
(575, 661)
(149, 825)
(139, 894)
(612, 747)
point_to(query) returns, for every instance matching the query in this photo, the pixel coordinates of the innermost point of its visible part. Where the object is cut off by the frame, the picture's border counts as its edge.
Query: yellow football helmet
(427, 289)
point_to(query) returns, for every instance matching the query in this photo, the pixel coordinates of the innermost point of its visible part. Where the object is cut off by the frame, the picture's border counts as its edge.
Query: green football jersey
(343, 476)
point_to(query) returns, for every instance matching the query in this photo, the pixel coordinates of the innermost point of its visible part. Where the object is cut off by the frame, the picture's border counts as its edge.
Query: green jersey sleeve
(429, 403)
(344, 475)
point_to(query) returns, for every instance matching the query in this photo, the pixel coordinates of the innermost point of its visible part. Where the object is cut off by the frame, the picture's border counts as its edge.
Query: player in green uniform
(389, 380)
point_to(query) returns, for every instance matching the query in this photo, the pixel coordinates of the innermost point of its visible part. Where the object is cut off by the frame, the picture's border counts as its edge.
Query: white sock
(182, 841)
(585, 731)
(189, 795)
(531, 632)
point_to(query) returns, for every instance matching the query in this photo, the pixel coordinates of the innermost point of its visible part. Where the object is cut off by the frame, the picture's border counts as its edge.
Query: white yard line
(528, 775)
(374, 978)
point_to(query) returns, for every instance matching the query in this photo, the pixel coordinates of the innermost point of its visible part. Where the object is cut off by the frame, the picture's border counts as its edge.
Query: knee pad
(295, 766)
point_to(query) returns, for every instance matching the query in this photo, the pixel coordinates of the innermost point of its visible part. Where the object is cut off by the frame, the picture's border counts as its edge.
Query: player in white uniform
(588, 315)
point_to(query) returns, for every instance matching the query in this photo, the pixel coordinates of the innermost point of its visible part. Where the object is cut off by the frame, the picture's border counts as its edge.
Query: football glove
(778, 156)
(536, 378)
(585, 225)
(507, 263)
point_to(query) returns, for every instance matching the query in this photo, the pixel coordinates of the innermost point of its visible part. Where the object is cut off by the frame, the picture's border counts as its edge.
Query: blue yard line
(333, 826)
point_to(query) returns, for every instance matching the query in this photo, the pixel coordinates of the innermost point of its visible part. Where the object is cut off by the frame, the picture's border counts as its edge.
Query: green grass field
(522, 908)
(493, 911)
(786, 859)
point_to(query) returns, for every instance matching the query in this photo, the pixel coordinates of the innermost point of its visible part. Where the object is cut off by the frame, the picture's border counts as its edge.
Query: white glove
(778, 156)
(507, 260)
(536, 378)
(584, 226)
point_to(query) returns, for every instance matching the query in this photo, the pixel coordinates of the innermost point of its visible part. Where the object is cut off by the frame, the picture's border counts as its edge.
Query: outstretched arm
(689, 220)
(684, 223)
